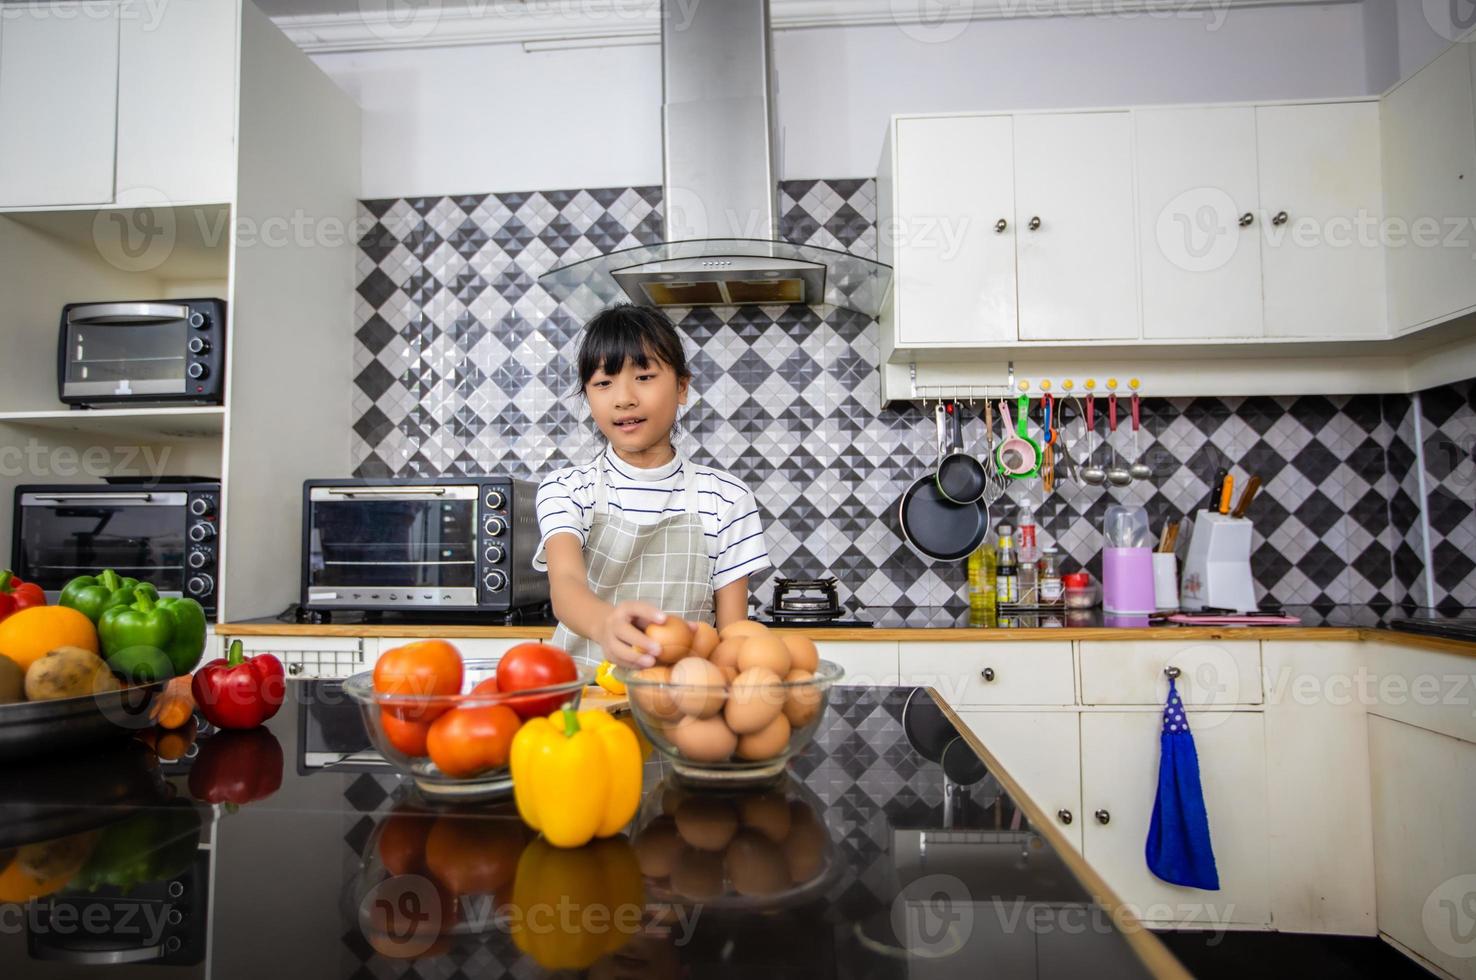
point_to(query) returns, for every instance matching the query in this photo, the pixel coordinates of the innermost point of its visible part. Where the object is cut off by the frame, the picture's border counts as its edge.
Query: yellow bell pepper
(606, 679)
(576, 775)
(572, 906)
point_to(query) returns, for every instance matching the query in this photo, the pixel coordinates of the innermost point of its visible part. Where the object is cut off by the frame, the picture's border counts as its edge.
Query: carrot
(175, 705)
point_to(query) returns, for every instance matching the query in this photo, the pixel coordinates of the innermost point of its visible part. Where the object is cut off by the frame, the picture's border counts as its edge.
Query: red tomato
(488, 686)
(466, 741)
(428, 667)
(407, 736)
(475, 854)
(530, 665)
(402, 842)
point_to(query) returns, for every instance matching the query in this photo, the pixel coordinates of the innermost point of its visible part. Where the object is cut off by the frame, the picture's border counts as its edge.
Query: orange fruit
(31, 634)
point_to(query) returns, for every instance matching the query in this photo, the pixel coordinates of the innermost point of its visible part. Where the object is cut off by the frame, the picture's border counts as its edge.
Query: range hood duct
(720, 193)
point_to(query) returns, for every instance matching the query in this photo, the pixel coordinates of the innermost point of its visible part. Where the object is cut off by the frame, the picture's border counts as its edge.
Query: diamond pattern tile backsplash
(1448, 424)
(465, 365)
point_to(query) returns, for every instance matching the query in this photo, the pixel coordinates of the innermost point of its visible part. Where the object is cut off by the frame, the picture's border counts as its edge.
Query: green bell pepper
(132, 635)
(93, 595)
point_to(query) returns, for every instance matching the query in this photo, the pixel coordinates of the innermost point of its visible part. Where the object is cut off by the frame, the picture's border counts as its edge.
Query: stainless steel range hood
(720, 201)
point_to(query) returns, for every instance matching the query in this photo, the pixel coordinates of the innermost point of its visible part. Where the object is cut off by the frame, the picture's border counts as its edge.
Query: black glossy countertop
(901, 871)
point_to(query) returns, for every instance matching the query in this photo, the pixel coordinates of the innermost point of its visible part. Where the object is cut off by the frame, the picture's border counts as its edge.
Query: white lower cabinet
(1424, 797)
(866, 664)
(313, 656)
(1119, 776)
(982, 674)
(1041, 750)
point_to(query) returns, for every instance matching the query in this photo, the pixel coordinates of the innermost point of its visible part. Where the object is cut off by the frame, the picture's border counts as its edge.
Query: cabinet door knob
(987, 673)
(1034, 224)
(1000, 226)
(1247, 219)
(1103, 817)
(1064, 816)
(1280, 219)
(294, 669)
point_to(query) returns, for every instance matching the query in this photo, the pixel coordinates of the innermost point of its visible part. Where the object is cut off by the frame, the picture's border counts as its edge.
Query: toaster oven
(452, 545)
(158, 351)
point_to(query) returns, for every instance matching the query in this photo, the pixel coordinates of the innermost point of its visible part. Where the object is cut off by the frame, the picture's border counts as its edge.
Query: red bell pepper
(237, 767)
(239, 692)
(16, 595)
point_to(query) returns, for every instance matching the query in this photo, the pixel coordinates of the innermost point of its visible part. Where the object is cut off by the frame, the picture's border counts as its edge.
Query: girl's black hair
(630, 333)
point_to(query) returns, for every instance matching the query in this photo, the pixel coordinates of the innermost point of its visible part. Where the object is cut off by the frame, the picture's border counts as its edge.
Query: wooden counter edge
(1324, 634)
(1150, 950)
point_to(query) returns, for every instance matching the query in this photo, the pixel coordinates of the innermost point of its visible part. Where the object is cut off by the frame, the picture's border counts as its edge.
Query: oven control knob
(494, 526)
(199, 558)
(198, 320)
(495, 499)
(196, 371)
(199, 345)
(202, 506)
(200, 585)
(495, 581)
(493, 554)
(200, 531)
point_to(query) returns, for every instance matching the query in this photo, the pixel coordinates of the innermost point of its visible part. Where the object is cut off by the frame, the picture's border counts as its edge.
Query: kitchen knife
(1226, 491)
(1215, 488)
(1252, 486)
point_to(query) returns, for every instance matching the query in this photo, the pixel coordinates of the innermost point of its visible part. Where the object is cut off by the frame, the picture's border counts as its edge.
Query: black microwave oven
(163, 533)
(155, 351)
(459, 544)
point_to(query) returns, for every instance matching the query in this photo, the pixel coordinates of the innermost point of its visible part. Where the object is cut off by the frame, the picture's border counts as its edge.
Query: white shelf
(143, 424)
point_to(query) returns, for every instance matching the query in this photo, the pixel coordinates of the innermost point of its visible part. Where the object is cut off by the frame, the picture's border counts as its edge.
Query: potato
(68, 672)
(12, 681)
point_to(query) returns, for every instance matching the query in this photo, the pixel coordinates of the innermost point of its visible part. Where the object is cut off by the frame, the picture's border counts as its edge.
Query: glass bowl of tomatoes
(448, 723)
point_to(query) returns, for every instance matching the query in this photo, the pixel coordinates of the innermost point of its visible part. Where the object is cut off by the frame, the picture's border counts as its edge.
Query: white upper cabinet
(1198, 205)
(58, 103)
(954, 251)
(1074, 226)
(1429, 142)
(1322, 269)
(177, 104)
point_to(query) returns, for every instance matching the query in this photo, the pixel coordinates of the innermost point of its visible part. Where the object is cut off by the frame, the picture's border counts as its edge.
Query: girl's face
(636, 407)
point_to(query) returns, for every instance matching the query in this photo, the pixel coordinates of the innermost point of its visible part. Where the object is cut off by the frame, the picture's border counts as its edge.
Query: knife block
(1217, 572)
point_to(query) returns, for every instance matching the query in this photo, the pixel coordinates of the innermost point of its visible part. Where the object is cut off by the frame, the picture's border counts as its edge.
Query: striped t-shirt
(730, 517)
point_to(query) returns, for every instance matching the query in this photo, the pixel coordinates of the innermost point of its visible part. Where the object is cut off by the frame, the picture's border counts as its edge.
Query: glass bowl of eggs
(730, 709)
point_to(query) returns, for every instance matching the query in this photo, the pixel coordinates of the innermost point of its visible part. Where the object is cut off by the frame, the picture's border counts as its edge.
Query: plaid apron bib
(665, 564)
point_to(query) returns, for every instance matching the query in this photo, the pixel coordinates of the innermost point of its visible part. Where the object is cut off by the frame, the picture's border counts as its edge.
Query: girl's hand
(623, 639)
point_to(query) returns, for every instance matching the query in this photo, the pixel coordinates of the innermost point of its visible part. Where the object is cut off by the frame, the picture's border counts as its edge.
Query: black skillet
(961, 476)
(936, 526)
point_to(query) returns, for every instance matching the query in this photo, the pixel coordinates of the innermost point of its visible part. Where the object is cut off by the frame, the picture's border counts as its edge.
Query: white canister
(1165, 581)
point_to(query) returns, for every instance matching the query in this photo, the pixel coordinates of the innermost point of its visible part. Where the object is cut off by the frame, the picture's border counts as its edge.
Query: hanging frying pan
(960, 475)
(936, 526)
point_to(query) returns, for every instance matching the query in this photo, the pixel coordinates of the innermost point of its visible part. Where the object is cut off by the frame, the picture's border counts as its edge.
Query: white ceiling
(294, 8)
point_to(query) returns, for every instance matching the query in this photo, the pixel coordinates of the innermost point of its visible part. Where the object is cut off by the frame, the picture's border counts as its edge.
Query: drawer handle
(1247, 219)
(1172, 673)
(1064, 816)
(1035, 224)
(1103, 817)
(987, 673)
(1000, 226)
(294, 669)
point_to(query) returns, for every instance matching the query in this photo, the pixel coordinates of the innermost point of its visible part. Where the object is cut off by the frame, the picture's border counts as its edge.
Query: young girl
(641, 532)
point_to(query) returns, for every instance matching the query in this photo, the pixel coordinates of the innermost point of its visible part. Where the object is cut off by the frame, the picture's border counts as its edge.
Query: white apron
(665, 564)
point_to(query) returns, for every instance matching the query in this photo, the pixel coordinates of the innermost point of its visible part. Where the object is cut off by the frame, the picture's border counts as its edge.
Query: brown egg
(725, 654)
(765, 743)
(755, 865)
(764, 651)
(704, 640)
(655, 701)
(706, 823)
(657, 847)
(804, 848)
(698, 687)
(704, 739)
(753, 701)
(802, 652)
(743, 627)
(675, 637)
(768, 813)
(698, 875)
(803, 703)
(730, 674)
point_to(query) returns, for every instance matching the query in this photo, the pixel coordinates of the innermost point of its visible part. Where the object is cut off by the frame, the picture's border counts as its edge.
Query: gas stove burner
(808, 601)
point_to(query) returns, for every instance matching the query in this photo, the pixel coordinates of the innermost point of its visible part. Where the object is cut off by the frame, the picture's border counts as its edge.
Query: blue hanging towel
(1179, 849)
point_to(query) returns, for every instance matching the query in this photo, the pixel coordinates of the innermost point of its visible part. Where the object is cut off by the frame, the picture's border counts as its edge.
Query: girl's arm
(616, 628)
(732, 602)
